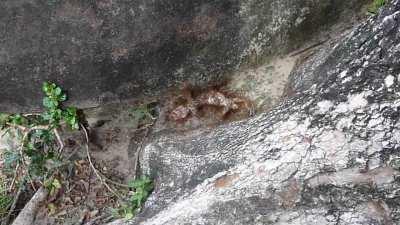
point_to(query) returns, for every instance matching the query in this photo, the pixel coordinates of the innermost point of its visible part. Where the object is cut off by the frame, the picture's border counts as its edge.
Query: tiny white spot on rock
(347, 80)
(389, 81)
(324, 106)
(357, 101)
(343, 74)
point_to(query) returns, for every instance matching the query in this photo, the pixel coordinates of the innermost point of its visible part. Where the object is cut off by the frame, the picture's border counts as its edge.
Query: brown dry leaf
(179, 113)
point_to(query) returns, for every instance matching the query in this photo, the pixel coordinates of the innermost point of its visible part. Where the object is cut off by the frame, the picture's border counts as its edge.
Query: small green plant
(143, 114)
(142, 188)
(53, 185)
(54, 112)
(37, 155)
(374, 7)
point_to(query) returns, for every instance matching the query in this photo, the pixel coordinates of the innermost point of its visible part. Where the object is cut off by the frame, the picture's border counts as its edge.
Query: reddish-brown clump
(180, 113)
(208, 106)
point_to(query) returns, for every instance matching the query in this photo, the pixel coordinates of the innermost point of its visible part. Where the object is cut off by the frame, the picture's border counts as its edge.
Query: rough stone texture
(107, 50)
(328, 155)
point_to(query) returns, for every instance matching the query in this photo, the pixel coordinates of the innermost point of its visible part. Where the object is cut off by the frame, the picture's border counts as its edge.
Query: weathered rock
(107, 50)
(327, 155)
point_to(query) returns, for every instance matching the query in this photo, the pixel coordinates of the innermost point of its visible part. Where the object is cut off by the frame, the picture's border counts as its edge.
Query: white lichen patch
(343, 74)
(389, 81)
(357, 101)
(324, 106)
(347, 79)
(354, 102)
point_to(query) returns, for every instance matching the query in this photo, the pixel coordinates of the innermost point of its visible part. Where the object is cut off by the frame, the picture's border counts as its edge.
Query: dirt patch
(115, 134)
(265, 84)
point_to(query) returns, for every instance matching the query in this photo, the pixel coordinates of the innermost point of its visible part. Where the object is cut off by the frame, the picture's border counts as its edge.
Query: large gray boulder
(108, 50)
(327, 155)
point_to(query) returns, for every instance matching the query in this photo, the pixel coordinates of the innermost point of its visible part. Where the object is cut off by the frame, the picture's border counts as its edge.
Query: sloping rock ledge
(327, 155)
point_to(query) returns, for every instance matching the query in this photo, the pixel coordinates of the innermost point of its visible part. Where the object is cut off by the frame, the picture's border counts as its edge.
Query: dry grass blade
(13, 205)
(59, 140)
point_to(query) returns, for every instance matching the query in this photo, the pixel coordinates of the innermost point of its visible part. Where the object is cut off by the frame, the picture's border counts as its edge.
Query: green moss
(375, 6)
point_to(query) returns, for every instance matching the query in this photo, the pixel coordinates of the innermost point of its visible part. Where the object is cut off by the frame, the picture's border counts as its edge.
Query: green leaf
(47, 102)
(128, 216)
(56, 184)
(63, 98)
(57, 91)
(140, 183)
(70, 116)
(18, 119)
(58, 113)
(55, 103)
(45, 87)
(4, 118)
(143, 187)
(46, 116)
(376, 5)
(71, 111)
(52, 208)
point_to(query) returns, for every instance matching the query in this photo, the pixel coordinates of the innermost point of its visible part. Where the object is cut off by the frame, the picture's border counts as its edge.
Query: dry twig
(59, 140)
(14, 178)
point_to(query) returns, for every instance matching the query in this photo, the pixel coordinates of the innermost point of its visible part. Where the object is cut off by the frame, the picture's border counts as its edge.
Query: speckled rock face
(328, 155)
(108, 50)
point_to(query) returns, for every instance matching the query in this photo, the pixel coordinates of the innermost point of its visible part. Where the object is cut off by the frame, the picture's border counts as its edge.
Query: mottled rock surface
(108, 50)
(327, 155)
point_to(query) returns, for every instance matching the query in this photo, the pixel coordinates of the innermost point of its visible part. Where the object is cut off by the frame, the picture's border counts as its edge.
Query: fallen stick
(28, 213)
